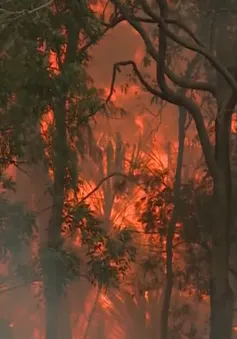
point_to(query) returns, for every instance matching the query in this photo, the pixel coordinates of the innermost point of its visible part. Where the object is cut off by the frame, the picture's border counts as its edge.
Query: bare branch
(195, 48)
(8, 15)
(101, 182)
(182, 82)
(147, 86)
(166, 93)
(190, 84)
(112, 24)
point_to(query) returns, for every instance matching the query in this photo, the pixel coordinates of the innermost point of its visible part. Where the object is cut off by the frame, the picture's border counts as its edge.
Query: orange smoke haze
(137, 128)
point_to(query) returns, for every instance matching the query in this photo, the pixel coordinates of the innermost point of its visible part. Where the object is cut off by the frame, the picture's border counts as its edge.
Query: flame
(105, 302)
(97, 7)
(234, 123)
(139, 55)
(139, 123)
(123, 211)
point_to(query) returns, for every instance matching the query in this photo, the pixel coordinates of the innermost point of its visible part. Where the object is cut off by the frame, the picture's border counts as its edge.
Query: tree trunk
(52, 264)
(222, 299)
(53, 277)
(92, 313)
(171, 228)
(52, 306)
(65, 328)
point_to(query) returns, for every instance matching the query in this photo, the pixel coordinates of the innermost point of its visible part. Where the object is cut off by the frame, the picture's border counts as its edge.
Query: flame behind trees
(222, 85)
(37, 89)
(51, 91)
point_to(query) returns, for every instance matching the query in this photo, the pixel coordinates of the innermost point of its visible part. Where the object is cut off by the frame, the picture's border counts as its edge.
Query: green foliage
(30, 88)
(111, 265)
(146, 61)
(65, 264)
(17, 228)
(109, 255)
(7, 182)
(192, 229)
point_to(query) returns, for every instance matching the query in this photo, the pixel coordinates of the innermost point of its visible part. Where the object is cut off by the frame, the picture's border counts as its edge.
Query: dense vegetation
(84, 213)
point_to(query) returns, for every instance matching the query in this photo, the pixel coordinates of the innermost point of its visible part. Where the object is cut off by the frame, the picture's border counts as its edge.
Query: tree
(37, 88)
(137, 14)
(12, 10)
(189, 245)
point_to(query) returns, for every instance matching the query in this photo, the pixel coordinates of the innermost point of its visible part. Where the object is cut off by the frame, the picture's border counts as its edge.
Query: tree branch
(190, 84)
(14, 15)
(195, 48)
(166, 93)
(180, 81)
(115, 21)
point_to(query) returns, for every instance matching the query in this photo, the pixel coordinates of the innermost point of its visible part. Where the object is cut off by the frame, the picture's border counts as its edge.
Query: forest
(118, 169)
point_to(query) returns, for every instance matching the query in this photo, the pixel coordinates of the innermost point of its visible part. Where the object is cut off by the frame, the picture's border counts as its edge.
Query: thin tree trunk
(52, 269)
(92, 313)
(65, 327)
(164, 329)
(164, 326)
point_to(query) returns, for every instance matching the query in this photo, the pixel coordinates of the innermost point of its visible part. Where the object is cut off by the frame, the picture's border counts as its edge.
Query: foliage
(192, 232)
(17, 228)
(109, 254)
(31, 88)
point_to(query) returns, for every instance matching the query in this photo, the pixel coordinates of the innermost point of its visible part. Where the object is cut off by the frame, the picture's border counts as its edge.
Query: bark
(92, 313)
(65, 319)
(222, 298)
(164, 327)
(224, 64)
(171, 227)
(52, 270)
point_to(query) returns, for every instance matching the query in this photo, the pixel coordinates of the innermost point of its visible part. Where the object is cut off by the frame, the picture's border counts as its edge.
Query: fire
(114, 94)
(234, 123)
(105, 302)
(123, 207)
(97, 6)
(139, 55)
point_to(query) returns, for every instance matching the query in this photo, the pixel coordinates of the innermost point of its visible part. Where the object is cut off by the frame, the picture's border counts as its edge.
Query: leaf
(146, 61)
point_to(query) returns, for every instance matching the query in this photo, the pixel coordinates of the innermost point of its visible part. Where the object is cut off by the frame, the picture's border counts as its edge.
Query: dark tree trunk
(222, 299)
(164, 326)
(54, 279)
(52, 268)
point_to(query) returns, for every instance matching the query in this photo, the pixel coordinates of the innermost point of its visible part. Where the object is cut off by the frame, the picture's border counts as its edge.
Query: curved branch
(166, 93)
(190, 84)
(195, 48)
(147, 86)
(180, 81)
(115, 21)
(14, 15)
(101, 182)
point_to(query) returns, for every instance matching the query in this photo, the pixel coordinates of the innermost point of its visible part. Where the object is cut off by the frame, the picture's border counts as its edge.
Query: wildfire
(116, 207)
(234, 123)
(139, 123)
(139, 55)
